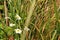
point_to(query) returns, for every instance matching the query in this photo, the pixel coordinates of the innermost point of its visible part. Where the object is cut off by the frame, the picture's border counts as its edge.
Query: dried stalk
(28, 18)
(6, 12)
(0, 16)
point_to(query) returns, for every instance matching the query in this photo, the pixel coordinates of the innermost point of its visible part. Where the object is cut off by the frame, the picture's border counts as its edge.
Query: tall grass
(39, 17)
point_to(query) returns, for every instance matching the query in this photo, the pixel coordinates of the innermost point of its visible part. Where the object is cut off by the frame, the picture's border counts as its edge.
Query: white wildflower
(26, 29)
(7, 17)
(11, 25)
(18, 17)
(18, 31)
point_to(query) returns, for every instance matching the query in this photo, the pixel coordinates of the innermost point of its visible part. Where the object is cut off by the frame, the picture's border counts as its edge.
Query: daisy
(18, 17)
(18, 31)
(26, 29)
(11, 25)
(7, 17)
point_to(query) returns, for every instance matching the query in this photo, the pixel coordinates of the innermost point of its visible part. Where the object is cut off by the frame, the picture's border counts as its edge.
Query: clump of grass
(30, 20)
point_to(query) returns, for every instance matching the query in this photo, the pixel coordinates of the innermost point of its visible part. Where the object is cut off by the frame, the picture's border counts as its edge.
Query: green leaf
(0, 25)
(9, 30)
(1, 7)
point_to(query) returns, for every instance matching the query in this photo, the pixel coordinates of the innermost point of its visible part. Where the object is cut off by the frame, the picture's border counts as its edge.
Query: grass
(40, 18)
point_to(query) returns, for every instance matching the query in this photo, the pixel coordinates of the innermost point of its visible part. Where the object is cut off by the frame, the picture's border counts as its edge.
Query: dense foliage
(29, 20)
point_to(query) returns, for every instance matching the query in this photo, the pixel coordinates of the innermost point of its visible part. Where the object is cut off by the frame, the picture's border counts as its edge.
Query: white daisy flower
(11, 25)
(18, 17)
(18, 31)
(7, 17)
(26, 29)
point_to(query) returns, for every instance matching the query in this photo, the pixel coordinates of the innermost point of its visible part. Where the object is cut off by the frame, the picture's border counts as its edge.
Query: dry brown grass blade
(6, 12)
(0, 15)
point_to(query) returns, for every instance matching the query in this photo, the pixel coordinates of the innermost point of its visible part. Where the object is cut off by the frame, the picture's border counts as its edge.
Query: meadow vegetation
(29, 20)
